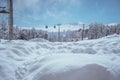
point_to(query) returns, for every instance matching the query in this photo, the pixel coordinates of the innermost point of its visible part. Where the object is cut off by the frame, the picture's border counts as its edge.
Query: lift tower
(11, 20)
(10, 12)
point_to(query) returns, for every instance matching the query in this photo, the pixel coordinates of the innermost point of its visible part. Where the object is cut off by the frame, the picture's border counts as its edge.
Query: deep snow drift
(38, 59)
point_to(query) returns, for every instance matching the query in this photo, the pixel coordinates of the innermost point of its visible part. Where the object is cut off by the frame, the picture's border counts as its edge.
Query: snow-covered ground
(38, 59)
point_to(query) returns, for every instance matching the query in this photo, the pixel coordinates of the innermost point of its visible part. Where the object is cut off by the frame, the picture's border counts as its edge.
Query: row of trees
(99, 30)
(19, 33)
(24, 34)
(94, 31)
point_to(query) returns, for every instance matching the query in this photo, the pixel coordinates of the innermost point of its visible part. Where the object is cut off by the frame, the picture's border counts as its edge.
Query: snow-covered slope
(63, 27)
(42, 60)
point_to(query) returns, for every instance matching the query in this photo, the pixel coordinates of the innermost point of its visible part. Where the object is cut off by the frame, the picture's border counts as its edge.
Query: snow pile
(88, 72)
(42, 60)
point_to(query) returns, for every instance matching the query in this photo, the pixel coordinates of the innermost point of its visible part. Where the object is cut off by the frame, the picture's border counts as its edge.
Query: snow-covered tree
(95, 31)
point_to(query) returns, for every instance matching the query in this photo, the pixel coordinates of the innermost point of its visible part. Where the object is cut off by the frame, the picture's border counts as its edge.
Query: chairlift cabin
(2, 10)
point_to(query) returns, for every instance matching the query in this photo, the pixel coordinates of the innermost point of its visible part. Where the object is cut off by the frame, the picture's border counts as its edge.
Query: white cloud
(25, 3)
(33, 10)
(43, 4)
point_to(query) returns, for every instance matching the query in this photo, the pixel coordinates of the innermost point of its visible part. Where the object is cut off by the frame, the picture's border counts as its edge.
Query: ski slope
(38, 59)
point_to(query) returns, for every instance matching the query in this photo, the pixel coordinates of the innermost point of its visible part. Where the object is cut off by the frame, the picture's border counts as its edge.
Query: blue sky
(35, 13)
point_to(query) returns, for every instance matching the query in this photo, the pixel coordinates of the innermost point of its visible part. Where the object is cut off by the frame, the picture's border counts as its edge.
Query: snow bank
(42, 60)
(58, 64)
(88, 72)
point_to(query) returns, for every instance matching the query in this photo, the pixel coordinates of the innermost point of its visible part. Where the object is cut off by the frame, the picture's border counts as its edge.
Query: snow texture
(42, 60)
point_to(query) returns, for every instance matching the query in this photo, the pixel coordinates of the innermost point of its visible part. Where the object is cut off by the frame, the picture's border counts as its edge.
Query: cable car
(2, 10)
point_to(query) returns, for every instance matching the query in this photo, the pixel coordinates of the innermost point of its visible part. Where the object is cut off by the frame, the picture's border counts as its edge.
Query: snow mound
(39, 59)
(88, 72)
